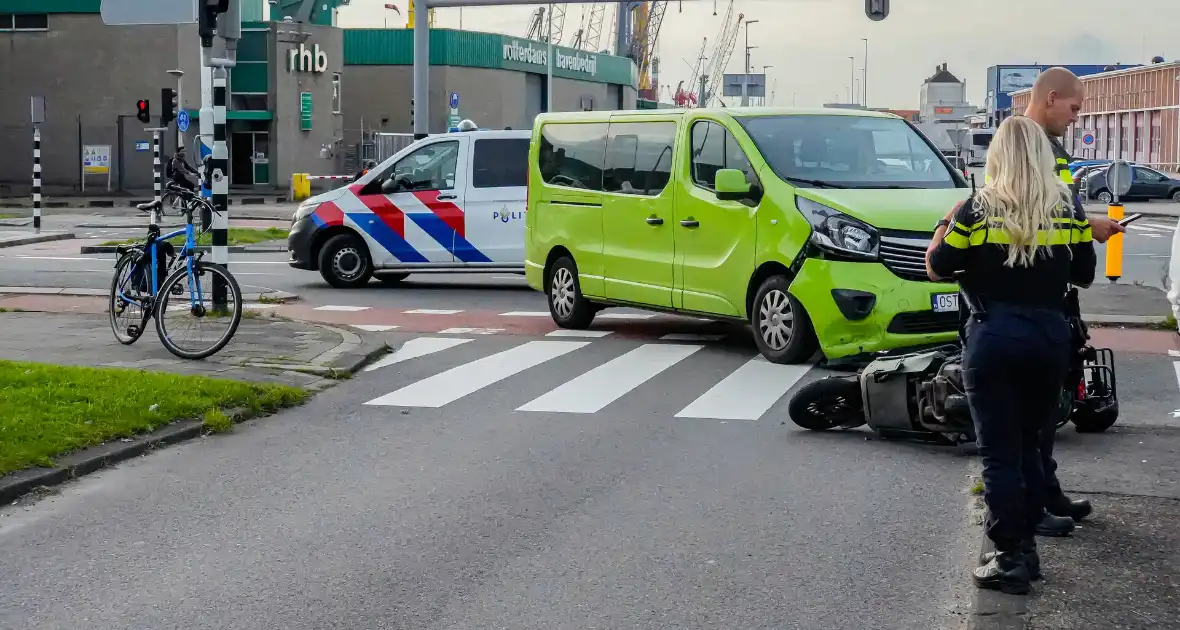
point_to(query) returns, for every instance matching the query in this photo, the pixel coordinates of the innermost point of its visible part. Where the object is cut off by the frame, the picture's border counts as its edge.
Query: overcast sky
(809, 41)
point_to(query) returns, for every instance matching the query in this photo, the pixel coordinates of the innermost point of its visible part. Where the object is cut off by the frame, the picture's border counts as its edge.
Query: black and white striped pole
(38, 117)
(220, 165)
(37, 179)
(156, 176)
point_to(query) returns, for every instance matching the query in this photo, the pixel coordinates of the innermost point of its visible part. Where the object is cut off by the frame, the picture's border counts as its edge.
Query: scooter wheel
(828, 403)
(1088, 420)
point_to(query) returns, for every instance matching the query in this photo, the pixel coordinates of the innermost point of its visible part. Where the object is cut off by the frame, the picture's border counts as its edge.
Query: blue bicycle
(193, 292)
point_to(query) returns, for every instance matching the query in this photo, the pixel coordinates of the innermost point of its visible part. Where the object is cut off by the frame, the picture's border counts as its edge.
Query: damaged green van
(809, 225)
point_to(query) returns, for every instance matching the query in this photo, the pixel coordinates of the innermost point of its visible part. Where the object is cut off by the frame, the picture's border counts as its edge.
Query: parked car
(1146, 184)
(810, 226)
(452, 202)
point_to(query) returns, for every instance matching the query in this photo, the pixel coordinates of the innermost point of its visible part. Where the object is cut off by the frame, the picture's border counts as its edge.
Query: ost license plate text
(945, 302)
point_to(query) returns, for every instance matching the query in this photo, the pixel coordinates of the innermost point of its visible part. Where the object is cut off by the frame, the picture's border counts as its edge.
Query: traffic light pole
(228, 26)
(156, 175)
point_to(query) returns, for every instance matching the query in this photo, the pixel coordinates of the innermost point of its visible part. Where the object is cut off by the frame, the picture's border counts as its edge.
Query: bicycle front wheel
(198, 313)
(125, 306)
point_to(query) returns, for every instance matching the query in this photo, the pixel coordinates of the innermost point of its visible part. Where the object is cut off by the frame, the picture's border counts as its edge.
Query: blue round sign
(454, 100)
(1088, 138)
(182, 120)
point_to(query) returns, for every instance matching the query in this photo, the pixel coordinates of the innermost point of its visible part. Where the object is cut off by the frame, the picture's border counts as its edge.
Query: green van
(810, 225)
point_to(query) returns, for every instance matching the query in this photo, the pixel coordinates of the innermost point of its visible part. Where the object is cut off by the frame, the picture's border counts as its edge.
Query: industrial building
(1128, 114)
(305, 96)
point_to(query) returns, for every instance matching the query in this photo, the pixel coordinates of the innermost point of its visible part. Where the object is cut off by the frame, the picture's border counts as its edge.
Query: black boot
(1055, 526)
(1005, 572)
(1076, 509)
(1032, 559)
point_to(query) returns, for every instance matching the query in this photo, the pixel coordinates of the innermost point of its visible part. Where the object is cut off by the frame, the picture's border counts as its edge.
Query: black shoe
(1005, 572)
(1055, 526)
(1032, 559)
(1076, 509)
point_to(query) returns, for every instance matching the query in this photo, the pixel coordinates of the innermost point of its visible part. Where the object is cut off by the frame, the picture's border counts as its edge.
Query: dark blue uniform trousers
(1014, 367)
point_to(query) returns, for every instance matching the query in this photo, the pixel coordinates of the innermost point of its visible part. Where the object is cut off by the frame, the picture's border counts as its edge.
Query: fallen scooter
(920, 395)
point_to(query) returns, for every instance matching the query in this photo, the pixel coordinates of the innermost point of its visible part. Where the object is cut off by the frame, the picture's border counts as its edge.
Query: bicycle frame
(186, 254)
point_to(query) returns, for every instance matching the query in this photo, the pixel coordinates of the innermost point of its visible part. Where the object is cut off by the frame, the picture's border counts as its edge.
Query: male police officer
(1056, 101)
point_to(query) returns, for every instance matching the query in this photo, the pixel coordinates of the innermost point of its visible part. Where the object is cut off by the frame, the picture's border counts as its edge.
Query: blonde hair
(1022, 191)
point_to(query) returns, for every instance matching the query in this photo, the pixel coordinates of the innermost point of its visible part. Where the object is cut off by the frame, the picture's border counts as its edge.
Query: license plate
(945, 302)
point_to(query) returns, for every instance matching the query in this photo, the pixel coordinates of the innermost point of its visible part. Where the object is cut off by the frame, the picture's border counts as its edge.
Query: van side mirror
(731, 185)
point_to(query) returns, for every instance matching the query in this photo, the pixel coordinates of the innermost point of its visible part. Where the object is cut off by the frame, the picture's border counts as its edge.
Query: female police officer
(1019, 242)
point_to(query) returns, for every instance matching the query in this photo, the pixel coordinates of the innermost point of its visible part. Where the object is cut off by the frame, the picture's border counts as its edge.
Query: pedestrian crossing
(594, 375)
(1151, 229)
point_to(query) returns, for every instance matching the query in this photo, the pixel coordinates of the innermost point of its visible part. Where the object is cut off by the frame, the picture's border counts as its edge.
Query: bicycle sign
(182, 121)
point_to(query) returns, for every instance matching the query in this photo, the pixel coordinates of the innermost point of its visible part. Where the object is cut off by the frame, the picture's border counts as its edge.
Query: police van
(449, 203)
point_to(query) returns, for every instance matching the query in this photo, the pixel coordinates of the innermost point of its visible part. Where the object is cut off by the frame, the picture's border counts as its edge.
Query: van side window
(573, 155)
(714, 148)
(639, 158)
(708, 152)
(431, 167)
(500, 162)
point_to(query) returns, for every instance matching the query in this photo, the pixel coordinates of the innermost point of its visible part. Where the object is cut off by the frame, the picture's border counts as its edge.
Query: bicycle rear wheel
(185, 305)
(128, 317)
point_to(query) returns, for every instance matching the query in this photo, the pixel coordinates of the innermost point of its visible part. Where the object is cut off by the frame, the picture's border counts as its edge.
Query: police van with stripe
(449, 203)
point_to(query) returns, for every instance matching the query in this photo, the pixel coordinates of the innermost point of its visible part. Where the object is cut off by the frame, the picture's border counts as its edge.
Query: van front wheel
(567, 305)
(782, 329)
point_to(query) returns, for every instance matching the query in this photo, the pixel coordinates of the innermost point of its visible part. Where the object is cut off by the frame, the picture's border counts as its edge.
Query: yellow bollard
(1114, 246)
(300, 187)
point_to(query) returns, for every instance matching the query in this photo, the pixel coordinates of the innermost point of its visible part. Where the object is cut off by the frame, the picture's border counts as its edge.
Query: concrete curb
(349, 356)
(1130, 321)
(84, 462)
(131, 203)
(36, 238)
(233, 249)
(271, 296)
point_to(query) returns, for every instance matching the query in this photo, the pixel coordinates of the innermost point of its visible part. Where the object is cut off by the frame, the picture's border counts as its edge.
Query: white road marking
(1176, 366)
(373, 327)
(525, 314)
(1174, 353)
(691, 337)
(417, 347)
(563, 332)
(90, 258)
(606, 383)
(465, 379)
(470, 331)
(432, 311)
(336, 307)
(1149, 227)
(624, 316)
(747, 393)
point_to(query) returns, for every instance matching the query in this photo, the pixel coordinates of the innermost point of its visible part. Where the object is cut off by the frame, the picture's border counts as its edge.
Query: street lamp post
(549, 63)
(764, 87)
(865, 84)
(746, 76)
(852, 78)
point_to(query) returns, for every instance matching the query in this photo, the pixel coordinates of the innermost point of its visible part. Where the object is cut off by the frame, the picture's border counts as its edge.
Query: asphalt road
(513, 482)
(1147, 250)
(477, 514)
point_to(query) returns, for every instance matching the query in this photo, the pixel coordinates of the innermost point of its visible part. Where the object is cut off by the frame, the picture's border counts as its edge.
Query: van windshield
(847, 152)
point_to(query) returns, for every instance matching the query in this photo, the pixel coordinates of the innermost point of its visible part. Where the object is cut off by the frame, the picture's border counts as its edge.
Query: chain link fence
(119, 144)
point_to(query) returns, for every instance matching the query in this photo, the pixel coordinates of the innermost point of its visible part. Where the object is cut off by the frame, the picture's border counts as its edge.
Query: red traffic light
(143, 110)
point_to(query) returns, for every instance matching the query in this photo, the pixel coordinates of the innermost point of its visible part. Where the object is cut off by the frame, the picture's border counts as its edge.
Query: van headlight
(837, 233)
(304, 209)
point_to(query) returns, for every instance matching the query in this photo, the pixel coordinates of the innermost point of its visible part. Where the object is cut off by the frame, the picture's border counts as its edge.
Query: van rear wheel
(782, 329)
(568, 307)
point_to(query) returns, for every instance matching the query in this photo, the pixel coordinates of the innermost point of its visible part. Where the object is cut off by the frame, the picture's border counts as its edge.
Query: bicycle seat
(151, 205)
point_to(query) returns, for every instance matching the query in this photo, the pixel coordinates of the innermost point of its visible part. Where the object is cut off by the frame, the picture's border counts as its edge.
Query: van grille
(905, 257)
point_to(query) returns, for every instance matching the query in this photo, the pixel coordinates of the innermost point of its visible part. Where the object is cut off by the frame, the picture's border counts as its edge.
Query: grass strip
(237, 236)
(50, 410)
